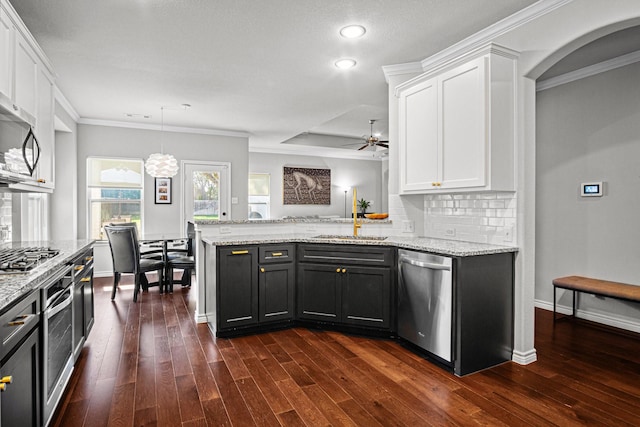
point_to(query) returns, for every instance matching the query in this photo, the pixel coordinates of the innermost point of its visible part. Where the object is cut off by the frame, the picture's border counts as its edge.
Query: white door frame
(184, 163)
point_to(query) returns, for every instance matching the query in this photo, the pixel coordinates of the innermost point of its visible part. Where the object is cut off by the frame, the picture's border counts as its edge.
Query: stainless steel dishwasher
(425, 301)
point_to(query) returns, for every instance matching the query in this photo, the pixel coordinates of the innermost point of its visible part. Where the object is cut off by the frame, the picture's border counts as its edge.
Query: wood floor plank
(168, 409)
(188, 398)
(234, 363)
(215, 413)
(272, 393)
(236, 408)
(122, 406)
(100, 405)
(257, 404)
(304, 407)
(145, 396)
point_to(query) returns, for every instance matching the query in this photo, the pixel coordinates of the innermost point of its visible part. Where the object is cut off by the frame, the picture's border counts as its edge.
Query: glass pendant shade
(160, 165)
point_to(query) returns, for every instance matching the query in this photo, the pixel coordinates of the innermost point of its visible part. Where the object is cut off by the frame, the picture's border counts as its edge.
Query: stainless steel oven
(57, 321)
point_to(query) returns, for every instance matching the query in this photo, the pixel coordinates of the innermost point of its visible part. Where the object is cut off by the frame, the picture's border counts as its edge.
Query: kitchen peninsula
(257, 278)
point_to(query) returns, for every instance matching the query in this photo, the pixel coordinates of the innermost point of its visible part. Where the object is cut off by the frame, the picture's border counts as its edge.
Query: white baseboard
(524, 358)
(606, 319)
(203, 318)
(102, 273)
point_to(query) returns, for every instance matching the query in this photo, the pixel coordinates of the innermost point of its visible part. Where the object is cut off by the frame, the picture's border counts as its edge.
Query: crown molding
(165, 128)
(485, 36)
(65, 104)
(591, 70)
(401, 69)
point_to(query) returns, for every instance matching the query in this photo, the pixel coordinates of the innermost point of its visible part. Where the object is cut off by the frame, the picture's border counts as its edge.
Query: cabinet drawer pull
(276, 254)
(344, 270)
(6, 379)
(79, 267)
(89, 258)
(22, 320)
(85, 279)
(261, 269)
(239, 252)
(337, 270)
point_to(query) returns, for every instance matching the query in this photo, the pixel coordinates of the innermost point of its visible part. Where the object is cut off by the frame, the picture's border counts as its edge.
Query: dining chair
(125, 254)
(181, 259)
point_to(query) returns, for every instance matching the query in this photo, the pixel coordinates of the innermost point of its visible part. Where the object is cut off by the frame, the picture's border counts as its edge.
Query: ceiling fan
(372, 141)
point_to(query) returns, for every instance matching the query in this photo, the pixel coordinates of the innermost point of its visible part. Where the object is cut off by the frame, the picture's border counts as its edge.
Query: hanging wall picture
(163, 191)
(306, 186)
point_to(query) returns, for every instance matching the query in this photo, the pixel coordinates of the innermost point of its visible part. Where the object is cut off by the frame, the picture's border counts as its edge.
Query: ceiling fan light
(352, 31)
(345, 63)
(160, 165)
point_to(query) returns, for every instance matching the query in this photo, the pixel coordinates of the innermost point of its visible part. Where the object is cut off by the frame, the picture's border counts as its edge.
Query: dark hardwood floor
(150, 364)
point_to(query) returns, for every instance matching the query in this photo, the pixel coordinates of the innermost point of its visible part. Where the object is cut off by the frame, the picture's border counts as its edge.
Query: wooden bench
(588, 285)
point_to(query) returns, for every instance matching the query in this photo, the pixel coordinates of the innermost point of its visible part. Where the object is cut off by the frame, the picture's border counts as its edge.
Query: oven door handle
(59, 306)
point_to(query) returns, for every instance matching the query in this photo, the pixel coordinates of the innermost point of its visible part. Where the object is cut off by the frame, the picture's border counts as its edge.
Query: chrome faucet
(356, 224)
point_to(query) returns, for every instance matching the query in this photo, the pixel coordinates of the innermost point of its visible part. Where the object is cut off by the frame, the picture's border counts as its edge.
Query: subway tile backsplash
(473, 217)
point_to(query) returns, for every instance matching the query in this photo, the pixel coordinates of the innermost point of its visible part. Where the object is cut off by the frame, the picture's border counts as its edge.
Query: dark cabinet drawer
(269, 254)
(16, 322)
(378, 256)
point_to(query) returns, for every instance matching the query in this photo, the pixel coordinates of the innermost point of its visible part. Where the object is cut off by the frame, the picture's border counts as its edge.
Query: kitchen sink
(348, 237)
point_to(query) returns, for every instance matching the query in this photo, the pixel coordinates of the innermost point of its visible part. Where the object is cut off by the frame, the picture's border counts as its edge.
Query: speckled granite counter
(14, 286)
(437, 246)
(293, 221)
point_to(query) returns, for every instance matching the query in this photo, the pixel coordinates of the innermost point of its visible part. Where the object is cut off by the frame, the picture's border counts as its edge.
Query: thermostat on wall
(591, 189)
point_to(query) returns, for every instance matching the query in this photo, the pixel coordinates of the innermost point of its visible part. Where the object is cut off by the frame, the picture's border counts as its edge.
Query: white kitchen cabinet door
(457, 128)
(6, 53)
(26, 68)
(463, 126)
(419, 147)
(45, 127)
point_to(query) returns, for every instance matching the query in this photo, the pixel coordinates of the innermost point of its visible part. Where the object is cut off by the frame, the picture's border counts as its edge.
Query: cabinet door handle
(6, 379)
(85, 279)
(79, 267)
(89, 258)
(276, 254)
(261, 269)
(239, 252)
(344, 270)
(337, 270)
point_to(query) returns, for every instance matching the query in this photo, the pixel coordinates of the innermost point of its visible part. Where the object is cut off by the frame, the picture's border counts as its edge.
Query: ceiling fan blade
(383, 141)
(382, 145)
(363, 147)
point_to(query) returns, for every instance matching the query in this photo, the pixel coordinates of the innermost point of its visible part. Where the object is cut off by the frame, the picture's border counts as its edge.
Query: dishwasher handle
(422, 264)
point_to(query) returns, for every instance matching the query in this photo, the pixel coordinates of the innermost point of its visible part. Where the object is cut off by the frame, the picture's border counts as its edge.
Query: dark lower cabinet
(319, 292)
(237, 287)
(346, 285)
(82, 299)
(20, 400)
(366, 296)
(275, 292)
(256, 286)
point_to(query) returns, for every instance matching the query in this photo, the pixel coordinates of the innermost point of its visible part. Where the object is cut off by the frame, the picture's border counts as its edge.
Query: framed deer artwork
(306, 186)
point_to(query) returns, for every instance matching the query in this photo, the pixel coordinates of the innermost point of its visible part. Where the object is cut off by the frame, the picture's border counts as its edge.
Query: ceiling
(260, 67)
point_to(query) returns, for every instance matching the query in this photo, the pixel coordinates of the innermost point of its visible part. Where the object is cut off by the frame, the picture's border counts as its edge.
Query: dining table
(159, 245)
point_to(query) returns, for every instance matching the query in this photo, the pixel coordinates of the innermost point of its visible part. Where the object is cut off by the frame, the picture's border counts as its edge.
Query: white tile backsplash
(473, 217)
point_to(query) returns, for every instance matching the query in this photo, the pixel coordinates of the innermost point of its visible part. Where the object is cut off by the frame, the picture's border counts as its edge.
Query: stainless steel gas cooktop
(22, 260)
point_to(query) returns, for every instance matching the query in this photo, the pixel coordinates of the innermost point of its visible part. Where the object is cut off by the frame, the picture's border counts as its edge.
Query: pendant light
(161, 165)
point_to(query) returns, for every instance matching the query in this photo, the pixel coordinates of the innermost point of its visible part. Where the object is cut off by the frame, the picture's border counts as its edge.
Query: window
(114, 190)
(259, 184)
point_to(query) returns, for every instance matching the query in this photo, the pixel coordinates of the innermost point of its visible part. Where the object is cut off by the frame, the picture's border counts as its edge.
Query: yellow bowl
(376, 215)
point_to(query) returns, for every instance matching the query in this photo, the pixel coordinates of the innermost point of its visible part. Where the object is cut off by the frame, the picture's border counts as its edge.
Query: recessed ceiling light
(353, 31)
(345, 63)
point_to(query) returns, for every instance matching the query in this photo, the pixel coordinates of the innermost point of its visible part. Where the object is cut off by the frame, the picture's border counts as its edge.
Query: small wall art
(163, 191)
(306, 186)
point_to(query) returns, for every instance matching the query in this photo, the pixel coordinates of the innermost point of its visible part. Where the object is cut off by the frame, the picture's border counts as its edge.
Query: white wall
(366, 175)
(106, 141)
(589, 130)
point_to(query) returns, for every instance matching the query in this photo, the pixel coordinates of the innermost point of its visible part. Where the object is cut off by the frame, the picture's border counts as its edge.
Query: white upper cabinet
(456, 130)
(6, 54)
(26, 99)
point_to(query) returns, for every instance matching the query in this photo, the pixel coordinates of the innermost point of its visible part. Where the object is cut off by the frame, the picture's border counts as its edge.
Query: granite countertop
(14, 286)
(293, 220)
(436, 246)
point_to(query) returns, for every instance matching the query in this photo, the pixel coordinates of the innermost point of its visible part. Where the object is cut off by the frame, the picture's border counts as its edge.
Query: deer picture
(312, 184)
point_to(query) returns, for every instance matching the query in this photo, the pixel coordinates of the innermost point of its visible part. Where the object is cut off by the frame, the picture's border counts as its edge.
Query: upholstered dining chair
(182, 259)
(125, 254)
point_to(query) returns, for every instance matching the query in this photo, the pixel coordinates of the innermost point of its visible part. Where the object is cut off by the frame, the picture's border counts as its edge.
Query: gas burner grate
(22, 260)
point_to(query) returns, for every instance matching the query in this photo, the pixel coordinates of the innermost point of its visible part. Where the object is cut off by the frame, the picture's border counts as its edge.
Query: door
(366, 296)
(206, 190)
(276, 285)
(319, 292)
(237, 287)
